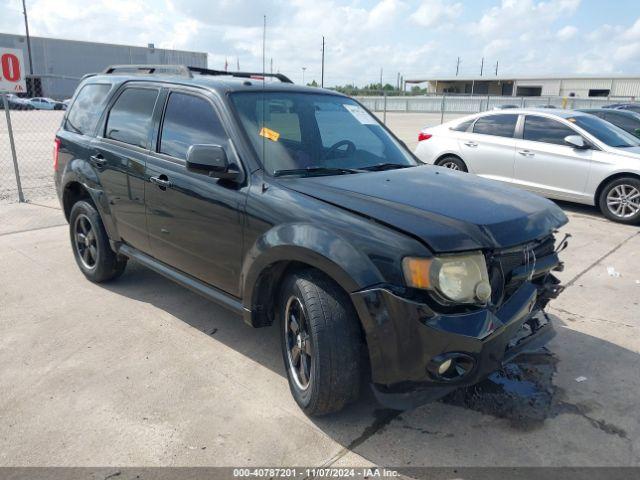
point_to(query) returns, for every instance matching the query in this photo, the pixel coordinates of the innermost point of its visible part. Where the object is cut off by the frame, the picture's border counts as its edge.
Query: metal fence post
(442, 109)
(384, 113)
(13, 147)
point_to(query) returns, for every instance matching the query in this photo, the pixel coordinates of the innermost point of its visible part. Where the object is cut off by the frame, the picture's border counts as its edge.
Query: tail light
(56, 152)
(424, 136)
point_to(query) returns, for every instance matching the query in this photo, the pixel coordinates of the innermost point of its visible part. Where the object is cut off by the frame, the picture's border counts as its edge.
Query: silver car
(564, 155)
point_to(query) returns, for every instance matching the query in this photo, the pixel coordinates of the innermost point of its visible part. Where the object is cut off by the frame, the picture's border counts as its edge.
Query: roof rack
(185, 71)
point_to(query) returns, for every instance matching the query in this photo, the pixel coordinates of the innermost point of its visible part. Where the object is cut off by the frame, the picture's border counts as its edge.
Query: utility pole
(264, 45)
(271, 65)
(322, 71)
(481, 66)
(26, 26)
(380, 78)
(457, 66)
(303, 69)
(496, 68)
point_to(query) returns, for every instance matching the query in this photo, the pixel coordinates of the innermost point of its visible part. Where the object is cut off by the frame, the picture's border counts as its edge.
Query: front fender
(309, 244)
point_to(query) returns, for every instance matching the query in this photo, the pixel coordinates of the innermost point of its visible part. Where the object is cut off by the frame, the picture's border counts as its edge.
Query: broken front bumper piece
(418, 355)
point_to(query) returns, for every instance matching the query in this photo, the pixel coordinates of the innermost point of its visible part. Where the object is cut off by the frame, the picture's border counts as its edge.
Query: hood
(449, 211)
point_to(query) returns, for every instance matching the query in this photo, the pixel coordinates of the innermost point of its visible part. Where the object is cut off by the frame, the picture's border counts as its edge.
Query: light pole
(26, 26)
(303, 69)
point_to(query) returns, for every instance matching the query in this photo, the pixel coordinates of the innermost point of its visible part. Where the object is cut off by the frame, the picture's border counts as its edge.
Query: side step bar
(207, 291)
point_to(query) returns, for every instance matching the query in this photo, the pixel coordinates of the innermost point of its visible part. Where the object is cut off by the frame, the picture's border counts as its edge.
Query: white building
(58, 64)
(563, 86)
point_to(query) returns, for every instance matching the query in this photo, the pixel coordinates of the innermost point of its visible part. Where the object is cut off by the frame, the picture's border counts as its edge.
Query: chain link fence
(27, 129)
(26, 169)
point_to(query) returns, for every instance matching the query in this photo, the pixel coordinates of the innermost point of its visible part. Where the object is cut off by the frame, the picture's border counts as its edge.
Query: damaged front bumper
(409, 344)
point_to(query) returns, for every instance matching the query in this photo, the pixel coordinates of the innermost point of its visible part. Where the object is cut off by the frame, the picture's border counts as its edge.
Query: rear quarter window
(86, 109)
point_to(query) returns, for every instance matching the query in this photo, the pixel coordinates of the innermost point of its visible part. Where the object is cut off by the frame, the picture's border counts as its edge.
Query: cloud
(432, 13)
(567, 33)
(414, 37)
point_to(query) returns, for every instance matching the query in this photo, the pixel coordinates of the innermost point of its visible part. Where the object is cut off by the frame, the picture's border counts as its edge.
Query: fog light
(444, 366)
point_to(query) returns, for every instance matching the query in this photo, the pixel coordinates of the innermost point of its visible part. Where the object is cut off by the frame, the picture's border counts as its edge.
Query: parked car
(42, 103)
(16, 103)
(295, 206)
(564, 155)
(625, 119)
(634, 107)
(505, 107)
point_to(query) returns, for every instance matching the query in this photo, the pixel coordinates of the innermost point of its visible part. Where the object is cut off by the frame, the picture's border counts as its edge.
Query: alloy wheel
(451, 165)
(85, 241)
(298, 343)
(623, 201)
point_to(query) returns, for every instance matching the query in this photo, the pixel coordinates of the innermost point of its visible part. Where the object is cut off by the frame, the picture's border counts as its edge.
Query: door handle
(471, 144)
(162, 181)
(98, 160)
(526, 153)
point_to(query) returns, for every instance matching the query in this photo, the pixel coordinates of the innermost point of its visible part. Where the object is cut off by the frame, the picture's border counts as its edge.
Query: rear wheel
(90, 244)
(620, 200)
(321, 343)
(453, 163)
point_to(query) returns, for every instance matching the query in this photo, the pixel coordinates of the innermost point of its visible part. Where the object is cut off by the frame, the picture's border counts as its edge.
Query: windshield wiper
(385, 166)
(312, 170)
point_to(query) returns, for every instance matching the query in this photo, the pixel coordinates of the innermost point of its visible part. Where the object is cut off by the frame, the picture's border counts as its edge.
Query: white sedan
(564, 155)
(43, 103)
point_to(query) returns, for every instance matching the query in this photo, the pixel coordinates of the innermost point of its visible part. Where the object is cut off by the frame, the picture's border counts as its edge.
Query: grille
(502, 263)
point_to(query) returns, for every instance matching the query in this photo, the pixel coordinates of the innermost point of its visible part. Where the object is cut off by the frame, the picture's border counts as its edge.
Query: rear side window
(547, 130)
(86, 109)
(498, 125)
(189, 120)
(130, 117)
(464, 126)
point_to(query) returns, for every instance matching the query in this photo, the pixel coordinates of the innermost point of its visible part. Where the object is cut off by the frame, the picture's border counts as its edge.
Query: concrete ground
(142, 372)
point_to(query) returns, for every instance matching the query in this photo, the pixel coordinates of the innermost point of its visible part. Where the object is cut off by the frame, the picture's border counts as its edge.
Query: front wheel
(620, 200)
(321, 343)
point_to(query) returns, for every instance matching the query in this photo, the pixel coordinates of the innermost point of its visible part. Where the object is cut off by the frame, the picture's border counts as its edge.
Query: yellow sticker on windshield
(270, 134)
(571, 119)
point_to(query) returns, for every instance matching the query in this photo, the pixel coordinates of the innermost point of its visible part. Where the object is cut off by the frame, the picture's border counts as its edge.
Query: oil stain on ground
(522, 392)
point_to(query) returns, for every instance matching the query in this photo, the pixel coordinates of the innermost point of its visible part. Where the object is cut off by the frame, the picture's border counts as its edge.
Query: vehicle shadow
(520, 399)
(585, 211)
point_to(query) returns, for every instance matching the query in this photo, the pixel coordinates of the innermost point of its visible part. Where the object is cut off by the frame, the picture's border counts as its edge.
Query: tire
(329, 343)
(97, 261)
(452, 162)
(620, 200)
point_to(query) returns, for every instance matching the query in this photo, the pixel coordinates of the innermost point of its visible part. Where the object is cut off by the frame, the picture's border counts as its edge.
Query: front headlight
(460, 278)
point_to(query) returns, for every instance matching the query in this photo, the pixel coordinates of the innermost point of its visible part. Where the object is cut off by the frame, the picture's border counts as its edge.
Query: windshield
(326, 134)
(605, 131)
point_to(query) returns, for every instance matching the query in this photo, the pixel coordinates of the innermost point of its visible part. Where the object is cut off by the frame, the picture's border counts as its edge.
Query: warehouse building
(562, 86)
(59, 64)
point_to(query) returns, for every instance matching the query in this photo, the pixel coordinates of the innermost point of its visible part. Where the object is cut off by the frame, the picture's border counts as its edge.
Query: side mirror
(210, 160)
(576, 141)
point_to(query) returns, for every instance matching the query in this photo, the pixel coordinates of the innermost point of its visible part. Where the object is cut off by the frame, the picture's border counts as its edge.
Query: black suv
(296, 206)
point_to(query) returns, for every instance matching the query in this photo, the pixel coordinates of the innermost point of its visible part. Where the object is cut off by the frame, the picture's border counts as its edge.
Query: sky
(416, 38)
